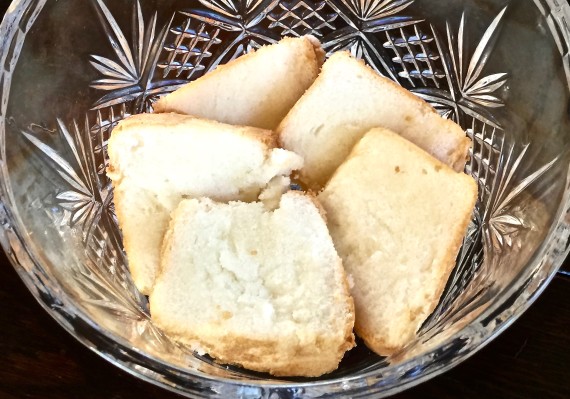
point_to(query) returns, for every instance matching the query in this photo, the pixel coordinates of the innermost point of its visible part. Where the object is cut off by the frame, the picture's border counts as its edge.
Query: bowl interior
(74, 69)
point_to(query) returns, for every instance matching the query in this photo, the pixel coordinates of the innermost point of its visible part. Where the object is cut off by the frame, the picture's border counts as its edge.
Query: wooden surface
(39, 360)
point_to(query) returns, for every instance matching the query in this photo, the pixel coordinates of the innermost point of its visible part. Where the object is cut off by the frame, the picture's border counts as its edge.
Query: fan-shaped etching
(468, 93)
(366, 23)
(128, 74)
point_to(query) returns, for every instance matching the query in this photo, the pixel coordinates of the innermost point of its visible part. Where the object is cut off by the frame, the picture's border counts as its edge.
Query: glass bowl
(72, 69)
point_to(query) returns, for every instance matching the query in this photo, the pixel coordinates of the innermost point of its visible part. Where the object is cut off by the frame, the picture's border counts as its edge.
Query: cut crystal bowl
(72, 70)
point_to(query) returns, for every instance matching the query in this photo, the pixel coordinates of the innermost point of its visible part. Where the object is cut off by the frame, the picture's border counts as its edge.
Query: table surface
(38, 359)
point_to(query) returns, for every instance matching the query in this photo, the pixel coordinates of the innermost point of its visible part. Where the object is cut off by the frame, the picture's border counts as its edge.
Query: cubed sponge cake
(156, 160)
(262, 289)
(348, 99)
(397, 217)
(256, 89)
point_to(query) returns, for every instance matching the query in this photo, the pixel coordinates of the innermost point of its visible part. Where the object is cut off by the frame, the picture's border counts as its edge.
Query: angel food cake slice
(348, 99)
(397, 217)
(256, 89)
(156, 160)
(262, 289)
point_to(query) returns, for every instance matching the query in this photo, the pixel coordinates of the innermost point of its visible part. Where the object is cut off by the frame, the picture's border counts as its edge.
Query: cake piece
(348, 99)
(397, 217)
(158, 159)
(256, 89)
(258, 288)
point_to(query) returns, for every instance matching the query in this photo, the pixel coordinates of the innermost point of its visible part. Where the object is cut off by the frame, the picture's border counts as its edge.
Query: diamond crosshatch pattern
(413, 52)
(298, 18)
(187, 48)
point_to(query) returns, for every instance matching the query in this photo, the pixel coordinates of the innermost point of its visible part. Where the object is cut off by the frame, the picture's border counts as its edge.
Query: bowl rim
(24, 257)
